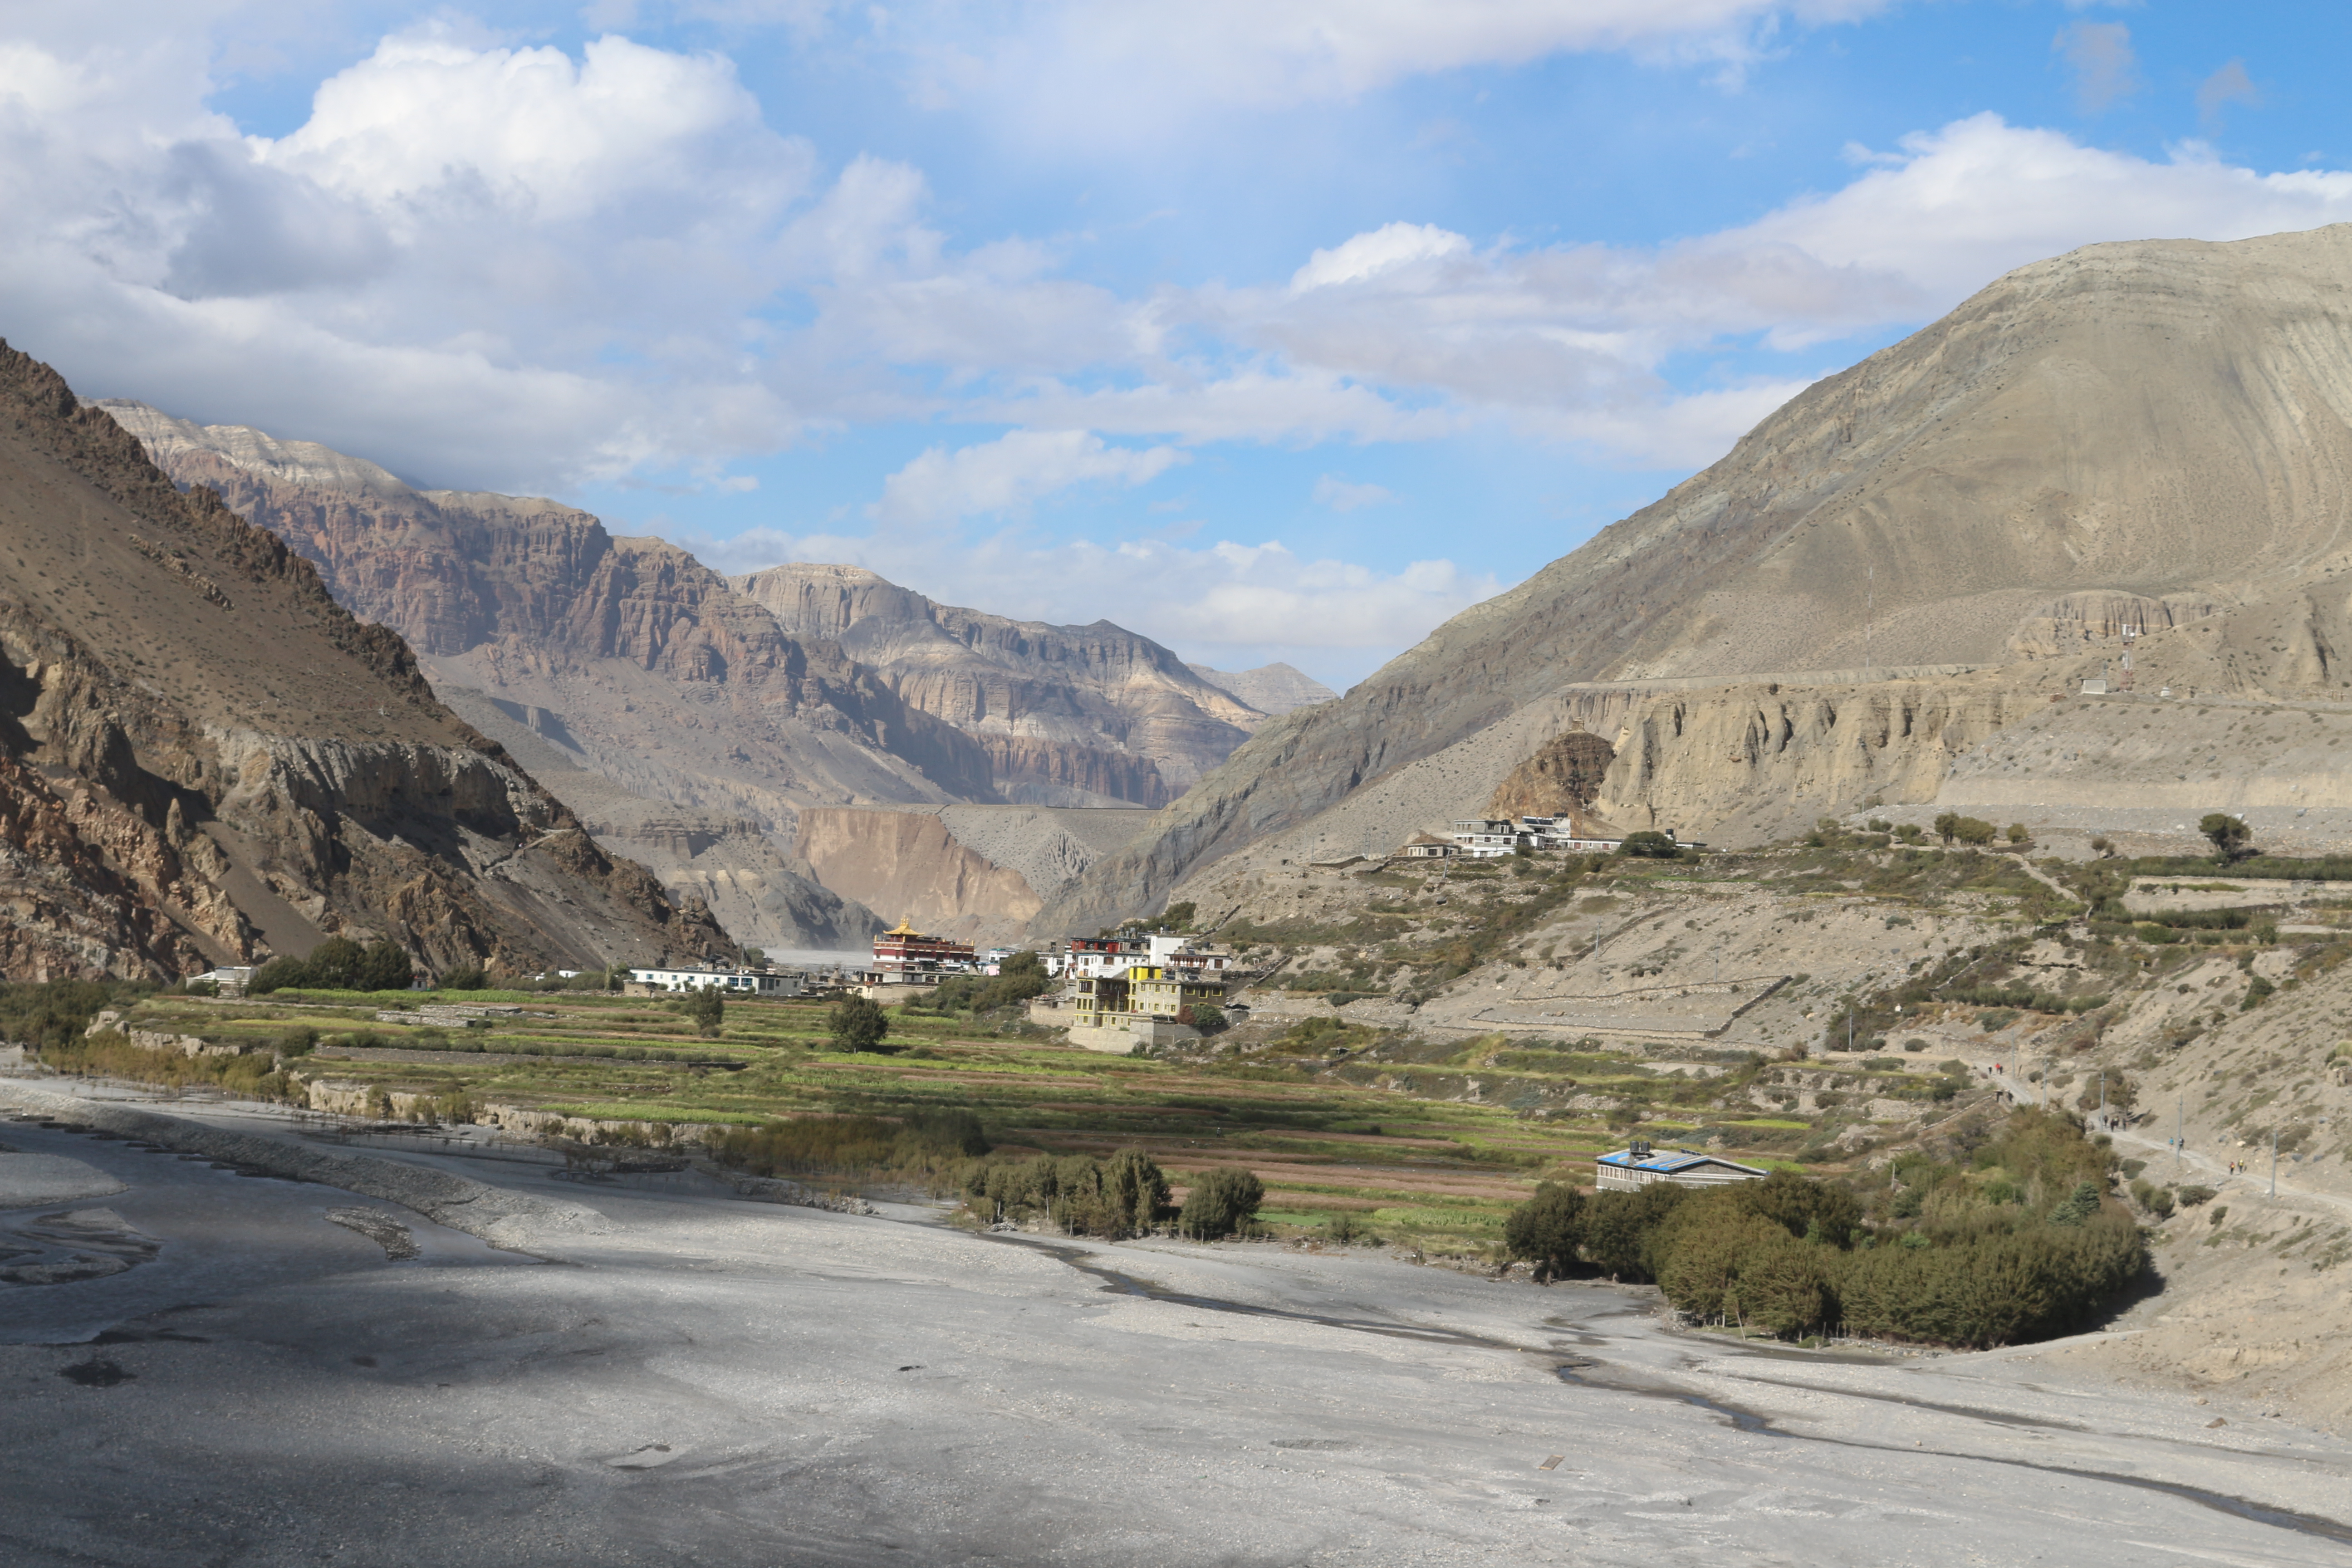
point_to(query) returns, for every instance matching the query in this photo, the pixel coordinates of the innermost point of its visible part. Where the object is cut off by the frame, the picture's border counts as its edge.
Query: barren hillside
(2155, 434)
(208, 759)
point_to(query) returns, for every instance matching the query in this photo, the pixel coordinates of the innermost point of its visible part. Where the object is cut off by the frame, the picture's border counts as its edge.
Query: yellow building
(1164, 992)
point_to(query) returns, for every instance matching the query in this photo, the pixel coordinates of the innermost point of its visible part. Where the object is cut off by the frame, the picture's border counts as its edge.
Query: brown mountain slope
(1068, 715)
(2163, 425)
(642, 666)
(209, 758)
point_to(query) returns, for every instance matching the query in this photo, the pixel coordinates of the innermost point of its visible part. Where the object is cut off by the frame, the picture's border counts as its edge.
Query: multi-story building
(1118, 991)
(904, 948)
(750, 982)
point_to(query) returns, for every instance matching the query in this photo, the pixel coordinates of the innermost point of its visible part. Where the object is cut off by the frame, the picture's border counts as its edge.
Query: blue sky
(1271, 332)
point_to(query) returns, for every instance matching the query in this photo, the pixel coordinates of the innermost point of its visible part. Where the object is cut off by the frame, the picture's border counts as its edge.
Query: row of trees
(1789, 1256)
(1127, 1195)
(338, 963)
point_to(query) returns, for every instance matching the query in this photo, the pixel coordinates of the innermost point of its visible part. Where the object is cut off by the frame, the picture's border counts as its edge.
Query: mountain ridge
(209, 758)
(2145, 420)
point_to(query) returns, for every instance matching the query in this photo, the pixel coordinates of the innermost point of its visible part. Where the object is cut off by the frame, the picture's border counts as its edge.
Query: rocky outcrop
(2170, 422)
(1560, 780)
(208, 759)
(659, 675)
(1070, 715)
(908, 865)
(1270, 687)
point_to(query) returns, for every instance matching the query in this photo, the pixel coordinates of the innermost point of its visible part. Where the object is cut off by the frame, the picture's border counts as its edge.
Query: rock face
(2129, 434)
(633, 663)
(1560, 780)
(1068, 715)
(908, 865)
(752, 885)
(209, 760)
(1270, 687)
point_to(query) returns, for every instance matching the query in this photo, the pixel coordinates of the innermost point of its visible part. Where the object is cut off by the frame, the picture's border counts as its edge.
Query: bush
(468, 977)
(1649, 845)
(2191, 1197)
(1547, 1228)
(1970, 830)
(1221, 1203)
(2258, 991)
(2017, 834)
(707, 1010)
(338, 963)
(857, 1024)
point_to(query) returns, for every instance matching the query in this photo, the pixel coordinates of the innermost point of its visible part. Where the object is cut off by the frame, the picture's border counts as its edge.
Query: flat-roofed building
(747, 981)
(1636, 1166)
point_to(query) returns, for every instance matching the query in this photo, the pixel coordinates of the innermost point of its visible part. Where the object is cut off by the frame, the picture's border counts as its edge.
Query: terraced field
(1370, 1135)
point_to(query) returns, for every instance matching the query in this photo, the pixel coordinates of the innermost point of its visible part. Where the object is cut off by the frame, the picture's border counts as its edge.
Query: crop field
(1363, 1137)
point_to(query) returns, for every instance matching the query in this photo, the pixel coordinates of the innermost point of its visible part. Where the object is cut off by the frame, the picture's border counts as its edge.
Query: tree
(466, 977)
(1180, 916)
(1947, 824)
(2017, 834)
(1221, 1203)
(857, 1024)
(1649, 845)
(334, 964)
(1548, 1228)
(1974, 830)
(707, 1009)
(2228, 834)
(384, 967)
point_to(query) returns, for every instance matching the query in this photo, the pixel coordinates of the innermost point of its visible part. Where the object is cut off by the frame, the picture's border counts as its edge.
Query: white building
(1489, 838)
(1631, 1169)
(744, 982)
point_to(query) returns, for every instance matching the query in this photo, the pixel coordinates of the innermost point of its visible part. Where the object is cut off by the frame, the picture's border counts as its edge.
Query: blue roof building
(1631, 1169)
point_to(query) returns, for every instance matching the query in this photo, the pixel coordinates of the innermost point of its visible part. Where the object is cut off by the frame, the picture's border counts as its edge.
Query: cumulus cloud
(1010, 474)
(518, 267)
(1330, 491)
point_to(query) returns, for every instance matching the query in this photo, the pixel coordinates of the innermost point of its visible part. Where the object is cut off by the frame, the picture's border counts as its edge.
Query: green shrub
(1548, 1228)
(1221, 1201)
(2191, 1197)
(2258, 990)
(857, 1024)
(707, 1010)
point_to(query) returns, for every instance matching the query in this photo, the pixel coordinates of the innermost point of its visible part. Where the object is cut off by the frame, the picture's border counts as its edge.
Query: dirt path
(2206, 1165)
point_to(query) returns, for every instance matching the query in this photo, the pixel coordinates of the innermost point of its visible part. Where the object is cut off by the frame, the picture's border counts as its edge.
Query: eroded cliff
(1068, 715)
(211, 760)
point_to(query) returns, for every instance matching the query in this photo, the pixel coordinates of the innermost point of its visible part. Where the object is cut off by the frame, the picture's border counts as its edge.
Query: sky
(1270, 330)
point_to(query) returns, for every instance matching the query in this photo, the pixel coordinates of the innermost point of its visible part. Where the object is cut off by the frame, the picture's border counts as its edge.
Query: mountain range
(209, 760)
(752, 741)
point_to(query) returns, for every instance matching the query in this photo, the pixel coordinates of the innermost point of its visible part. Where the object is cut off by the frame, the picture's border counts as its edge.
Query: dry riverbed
(655, 1371)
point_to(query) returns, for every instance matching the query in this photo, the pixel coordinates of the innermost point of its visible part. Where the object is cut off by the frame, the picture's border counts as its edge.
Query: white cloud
(1007, 475)
(516, 267)
(1330, 491)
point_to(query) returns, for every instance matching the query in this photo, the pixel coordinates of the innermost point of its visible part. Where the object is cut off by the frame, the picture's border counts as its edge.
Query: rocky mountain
(1068, 715)
(208, 759)
(1907, 557)
(1270, 687)
(638, 666)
